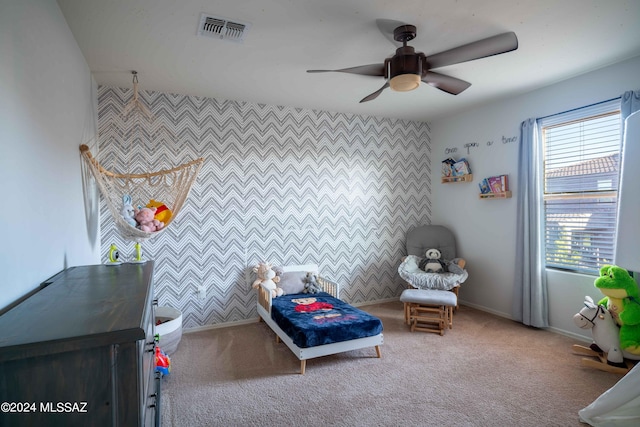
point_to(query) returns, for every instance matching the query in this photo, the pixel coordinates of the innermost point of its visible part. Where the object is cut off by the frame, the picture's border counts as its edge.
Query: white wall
(485, 229)
(47, 106)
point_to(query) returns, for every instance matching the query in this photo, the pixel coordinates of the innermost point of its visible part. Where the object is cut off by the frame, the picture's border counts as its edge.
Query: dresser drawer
(146, 360)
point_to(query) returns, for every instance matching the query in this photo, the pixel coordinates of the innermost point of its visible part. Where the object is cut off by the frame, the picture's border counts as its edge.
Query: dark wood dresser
(81, 351)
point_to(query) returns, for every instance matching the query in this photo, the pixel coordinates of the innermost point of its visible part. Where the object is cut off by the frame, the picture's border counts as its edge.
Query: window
(581, 155)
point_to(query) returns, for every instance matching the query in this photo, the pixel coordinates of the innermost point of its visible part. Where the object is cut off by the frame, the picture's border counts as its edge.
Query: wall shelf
(459, 178)
(503, 195)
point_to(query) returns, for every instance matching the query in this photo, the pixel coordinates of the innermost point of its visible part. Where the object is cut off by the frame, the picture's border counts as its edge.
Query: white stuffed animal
(267, 278)
(127, 210)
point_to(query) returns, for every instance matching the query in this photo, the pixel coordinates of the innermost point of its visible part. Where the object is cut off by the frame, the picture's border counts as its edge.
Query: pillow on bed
(292, 282)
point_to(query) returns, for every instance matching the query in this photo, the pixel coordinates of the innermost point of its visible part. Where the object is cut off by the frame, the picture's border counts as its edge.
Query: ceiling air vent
(222, 28)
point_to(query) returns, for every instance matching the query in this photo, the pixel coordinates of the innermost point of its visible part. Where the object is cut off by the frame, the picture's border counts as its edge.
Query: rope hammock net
(168, 186)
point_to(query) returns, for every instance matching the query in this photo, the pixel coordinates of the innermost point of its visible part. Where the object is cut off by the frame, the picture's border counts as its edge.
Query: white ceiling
(558, 39)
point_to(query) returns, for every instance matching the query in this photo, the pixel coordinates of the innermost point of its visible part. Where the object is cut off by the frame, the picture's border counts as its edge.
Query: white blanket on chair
(417, 278)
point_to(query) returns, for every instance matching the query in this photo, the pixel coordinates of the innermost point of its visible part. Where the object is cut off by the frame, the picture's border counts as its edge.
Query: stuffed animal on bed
(311, 285)
(279, 272)
(267, 278)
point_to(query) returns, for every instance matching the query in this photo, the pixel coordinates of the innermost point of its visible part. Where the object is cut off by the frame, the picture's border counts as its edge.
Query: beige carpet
(486, 371)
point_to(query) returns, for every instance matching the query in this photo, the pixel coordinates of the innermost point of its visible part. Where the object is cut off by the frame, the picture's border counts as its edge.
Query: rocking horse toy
(605, 348)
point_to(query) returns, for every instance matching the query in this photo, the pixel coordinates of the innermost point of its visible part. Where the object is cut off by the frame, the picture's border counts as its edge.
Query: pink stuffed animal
(145, 220)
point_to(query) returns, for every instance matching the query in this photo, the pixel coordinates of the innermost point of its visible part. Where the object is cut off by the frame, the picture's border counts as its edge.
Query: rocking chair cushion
(420, 279)
(429, 297)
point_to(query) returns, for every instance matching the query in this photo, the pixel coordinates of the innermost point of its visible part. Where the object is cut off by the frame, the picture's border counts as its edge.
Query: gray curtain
(530, 292)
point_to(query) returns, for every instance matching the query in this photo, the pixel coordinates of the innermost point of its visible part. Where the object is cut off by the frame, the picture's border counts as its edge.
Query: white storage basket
(170, 331)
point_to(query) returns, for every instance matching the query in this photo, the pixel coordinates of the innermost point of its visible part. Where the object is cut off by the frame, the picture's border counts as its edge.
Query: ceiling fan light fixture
(404, 71)
(405, 82)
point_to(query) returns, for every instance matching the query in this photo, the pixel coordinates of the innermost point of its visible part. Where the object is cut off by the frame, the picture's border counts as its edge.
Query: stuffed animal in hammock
(146, 221)
(163, 213)
(127, 211)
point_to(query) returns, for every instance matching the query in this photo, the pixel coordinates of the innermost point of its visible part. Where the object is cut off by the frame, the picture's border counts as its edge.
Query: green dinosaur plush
(622, 298)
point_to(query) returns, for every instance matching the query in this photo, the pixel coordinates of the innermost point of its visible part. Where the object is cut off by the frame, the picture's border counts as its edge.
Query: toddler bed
(319, 324)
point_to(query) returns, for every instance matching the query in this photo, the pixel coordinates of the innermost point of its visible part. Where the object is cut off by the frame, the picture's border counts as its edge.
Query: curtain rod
(578, 108)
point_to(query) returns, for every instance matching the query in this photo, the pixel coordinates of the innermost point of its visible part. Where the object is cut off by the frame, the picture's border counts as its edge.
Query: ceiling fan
(407, 68)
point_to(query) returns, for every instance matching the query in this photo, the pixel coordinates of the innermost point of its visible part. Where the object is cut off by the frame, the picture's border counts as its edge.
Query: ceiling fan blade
(447, 84)
(367, 70)
(495, 45)
(375, 94)
(386, 27)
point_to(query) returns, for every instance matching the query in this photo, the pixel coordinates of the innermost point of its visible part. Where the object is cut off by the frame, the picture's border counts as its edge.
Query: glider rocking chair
(431, 297)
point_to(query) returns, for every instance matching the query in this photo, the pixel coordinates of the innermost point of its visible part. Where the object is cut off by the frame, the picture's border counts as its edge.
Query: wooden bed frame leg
(378, 352)
(303, 365)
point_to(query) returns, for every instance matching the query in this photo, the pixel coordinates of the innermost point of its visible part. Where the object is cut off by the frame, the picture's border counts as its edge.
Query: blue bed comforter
(316, 319)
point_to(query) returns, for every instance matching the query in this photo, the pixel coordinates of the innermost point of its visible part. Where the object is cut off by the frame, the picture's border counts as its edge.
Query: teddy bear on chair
(267, 278)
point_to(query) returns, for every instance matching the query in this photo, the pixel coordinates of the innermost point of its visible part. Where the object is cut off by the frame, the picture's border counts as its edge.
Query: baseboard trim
(382, 301)
(220, 325)
(486, 310)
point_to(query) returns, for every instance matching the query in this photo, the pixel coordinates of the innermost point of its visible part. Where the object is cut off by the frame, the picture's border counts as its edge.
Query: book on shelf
(496, 184)
(447, 167)
(461, 167)
(505, 182)
(484, 186)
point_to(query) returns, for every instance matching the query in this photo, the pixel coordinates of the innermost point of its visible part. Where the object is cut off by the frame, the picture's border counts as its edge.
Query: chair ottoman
(429, 310)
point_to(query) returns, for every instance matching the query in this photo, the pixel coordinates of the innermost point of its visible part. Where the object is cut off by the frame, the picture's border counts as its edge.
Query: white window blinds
(581, 151)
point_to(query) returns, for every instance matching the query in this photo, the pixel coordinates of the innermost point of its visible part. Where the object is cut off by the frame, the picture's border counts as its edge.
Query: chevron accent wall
(279, 184)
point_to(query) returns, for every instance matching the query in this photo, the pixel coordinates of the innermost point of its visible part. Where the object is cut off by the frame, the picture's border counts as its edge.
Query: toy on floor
(606, 341)
(622, 299)
(267, 278)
